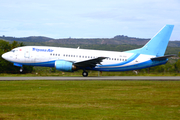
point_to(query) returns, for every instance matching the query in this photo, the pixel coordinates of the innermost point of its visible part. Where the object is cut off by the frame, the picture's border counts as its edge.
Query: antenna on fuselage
(78, 47)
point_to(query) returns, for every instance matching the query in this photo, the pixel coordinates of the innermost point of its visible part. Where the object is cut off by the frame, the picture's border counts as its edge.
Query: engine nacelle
(64, 66)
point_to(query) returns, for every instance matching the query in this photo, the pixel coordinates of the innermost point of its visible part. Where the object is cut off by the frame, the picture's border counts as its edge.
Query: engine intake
(64, 66)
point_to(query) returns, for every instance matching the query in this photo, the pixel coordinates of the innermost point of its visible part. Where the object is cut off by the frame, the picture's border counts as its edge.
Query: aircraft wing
(89, 63)
(162, 57)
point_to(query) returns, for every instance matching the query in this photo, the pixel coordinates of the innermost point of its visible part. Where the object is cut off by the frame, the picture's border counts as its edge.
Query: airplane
(72, 59)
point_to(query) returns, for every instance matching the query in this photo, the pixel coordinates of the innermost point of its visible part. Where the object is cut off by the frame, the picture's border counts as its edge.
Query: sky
(88, 18)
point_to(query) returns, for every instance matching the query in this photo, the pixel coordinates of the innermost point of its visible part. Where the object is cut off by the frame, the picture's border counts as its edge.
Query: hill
(117, 40)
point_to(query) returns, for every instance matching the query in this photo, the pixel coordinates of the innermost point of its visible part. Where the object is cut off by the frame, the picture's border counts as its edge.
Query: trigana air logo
(42, 50)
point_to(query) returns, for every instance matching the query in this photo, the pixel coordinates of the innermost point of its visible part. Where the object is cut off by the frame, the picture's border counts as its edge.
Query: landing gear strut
(84, 74)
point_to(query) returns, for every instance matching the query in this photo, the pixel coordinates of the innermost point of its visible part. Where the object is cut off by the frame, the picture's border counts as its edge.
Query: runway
(121, 78)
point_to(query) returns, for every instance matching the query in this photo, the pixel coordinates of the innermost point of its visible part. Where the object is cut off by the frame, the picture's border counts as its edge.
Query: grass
(92, 100)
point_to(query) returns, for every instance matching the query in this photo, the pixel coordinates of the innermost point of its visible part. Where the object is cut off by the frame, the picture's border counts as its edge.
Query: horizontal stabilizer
(162, 57)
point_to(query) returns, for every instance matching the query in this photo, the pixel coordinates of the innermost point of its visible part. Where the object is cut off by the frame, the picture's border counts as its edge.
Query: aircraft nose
(4, 56)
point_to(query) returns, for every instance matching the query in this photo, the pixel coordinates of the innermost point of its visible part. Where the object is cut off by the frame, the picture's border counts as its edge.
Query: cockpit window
(12, 50)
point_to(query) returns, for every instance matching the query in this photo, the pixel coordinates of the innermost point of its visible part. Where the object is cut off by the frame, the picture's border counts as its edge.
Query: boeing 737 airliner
(71, 59)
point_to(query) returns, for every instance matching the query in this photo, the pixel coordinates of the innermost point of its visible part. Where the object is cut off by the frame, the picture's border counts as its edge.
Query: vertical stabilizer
(158, 44)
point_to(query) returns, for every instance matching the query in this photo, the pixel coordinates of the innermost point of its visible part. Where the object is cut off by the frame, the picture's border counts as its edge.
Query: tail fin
(158, 44)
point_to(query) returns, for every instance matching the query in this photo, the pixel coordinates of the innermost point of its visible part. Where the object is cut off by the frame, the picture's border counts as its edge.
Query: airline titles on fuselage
(42, 50)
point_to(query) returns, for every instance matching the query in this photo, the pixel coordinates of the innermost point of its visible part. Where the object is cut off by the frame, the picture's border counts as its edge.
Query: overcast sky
(88, 18)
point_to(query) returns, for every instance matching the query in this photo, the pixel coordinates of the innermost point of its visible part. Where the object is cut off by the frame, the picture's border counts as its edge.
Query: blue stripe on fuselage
(133, 57)
(146, 64)
(41, 64)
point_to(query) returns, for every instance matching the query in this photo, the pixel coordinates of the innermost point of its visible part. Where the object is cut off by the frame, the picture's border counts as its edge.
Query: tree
(177, 64)
(5, 46)
(14, 44)
(8, 67)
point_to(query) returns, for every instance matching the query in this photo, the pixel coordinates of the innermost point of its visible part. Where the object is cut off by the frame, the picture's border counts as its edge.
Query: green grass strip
(92, 100)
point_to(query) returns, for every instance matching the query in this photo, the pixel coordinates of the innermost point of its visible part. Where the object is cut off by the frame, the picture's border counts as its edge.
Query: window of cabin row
(80, 56)
(55, 54)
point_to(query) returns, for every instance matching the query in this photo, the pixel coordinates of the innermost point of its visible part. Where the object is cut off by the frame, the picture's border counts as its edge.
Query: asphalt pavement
(164, 78)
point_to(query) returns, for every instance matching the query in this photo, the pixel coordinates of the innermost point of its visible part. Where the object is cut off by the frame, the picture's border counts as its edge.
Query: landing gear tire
(85, 74)
(21, 70)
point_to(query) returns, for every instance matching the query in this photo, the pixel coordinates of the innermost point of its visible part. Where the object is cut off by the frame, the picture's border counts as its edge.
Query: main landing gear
(21, 70)
(84, 74)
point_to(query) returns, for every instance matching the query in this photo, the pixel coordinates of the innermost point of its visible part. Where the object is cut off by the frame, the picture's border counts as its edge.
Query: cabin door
(27, 53)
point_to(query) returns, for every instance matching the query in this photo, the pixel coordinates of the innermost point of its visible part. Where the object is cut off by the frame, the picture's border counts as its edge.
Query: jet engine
(64, 66)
